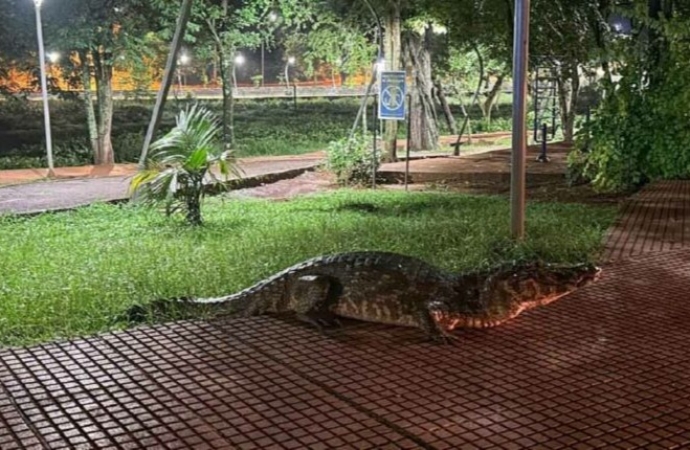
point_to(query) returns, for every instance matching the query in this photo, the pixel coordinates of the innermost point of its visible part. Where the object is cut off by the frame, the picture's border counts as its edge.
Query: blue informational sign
(392, 92)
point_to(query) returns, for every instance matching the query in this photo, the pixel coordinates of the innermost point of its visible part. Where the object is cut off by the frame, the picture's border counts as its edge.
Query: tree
(18, 45)
(564, 38)
(639, 130)
(94, 34)
(417, 57)
(341, 46)
(182, 164)
(234, 24)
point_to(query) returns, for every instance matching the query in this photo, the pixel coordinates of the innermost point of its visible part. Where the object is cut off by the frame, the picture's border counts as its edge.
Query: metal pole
(544, 131)
(409, 138)
(373, 171)
(168, 75)
(262, 62)
(294, 95)
(287, 75)
(44, 89)
(520, 62)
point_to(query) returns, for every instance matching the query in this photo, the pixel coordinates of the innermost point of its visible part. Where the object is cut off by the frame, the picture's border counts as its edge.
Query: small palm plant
(182, 163)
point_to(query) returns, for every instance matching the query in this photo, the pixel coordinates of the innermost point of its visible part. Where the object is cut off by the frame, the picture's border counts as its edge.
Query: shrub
(181, 165)
(639, 132)
(352, 160)
(127, 147)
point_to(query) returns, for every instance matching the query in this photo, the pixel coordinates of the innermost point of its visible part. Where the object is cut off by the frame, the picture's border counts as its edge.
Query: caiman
(394, 289)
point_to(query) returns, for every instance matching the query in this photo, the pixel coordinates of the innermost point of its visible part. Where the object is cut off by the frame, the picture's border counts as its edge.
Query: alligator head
(488, 300)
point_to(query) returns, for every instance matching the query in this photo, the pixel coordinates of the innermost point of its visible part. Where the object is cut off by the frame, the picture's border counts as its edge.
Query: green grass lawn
(74, 273)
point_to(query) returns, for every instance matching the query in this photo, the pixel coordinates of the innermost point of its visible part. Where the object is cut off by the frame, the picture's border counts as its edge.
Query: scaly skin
(507, 292)
(399, 290)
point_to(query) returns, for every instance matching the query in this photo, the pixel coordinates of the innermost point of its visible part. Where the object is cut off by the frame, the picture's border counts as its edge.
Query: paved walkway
(66, 194)
(607, 367)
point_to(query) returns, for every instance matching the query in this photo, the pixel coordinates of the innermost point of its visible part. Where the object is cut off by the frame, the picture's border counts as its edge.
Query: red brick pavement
(655, 219)
(606, 367)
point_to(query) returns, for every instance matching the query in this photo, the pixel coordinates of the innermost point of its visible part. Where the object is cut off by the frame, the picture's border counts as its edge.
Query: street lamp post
(290, 61)
(239, 60)
(520, 62)
(44, 88)
(182, 62)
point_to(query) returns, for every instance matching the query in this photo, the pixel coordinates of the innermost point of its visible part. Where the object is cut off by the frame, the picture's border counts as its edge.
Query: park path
(71, 193)
(606, 367)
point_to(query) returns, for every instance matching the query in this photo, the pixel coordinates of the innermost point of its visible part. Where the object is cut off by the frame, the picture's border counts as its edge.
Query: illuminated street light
(239, 60)
(53, 57)
(44, 88)
(272, 16)
(183, 60)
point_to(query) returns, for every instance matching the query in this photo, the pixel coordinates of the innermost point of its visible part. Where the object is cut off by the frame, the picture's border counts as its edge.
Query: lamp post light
(239, 60)
(290, 61)
(182, 61)
(44, 88)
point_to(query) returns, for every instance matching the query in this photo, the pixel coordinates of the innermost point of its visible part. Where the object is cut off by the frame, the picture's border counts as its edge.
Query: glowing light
(272, 17)
(291, 60)
(185, 59)
(53, 57)
(381, 65)
(239, 59)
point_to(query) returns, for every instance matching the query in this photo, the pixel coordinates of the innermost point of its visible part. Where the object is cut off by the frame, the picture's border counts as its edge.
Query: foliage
(72, 153)
(181, 165)
(639, 132)
(352, 160)
(340, 44)
(71, 274)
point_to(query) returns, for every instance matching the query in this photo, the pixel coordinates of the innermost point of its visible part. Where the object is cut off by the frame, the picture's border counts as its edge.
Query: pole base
(542, 159)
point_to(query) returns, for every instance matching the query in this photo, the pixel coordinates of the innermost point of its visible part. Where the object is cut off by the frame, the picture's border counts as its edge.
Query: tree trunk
(104, 100)
(88, 104)
(568, 92)
(193, 201)
(447, 113)
(225, 69)
(423, 129)
(228, 99)
(392, 48)
(491, 97)
(362, 111)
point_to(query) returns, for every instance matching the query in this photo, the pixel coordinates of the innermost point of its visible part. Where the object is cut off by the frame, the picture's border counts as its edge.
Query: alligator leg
(432, 329)
(313, 297)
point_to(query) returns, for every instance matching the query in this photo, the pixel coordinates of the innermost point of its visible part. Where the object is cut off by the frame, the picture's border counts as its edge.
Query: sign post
(391, 100)
(392, 93)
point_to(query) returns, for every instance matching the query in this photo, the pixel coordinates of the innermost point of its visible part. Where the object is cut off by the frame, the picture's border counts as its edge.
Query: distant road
(242, 92)
(247, 92)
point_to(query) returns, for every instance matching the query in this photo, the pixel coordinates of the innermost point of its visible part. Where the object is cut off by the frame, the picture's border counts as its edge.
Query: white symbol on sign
(392, 98)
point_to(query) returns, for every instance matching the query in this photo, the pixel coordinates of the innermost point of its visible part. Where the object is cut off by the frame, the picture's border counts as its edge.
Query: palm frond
(182, 162)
